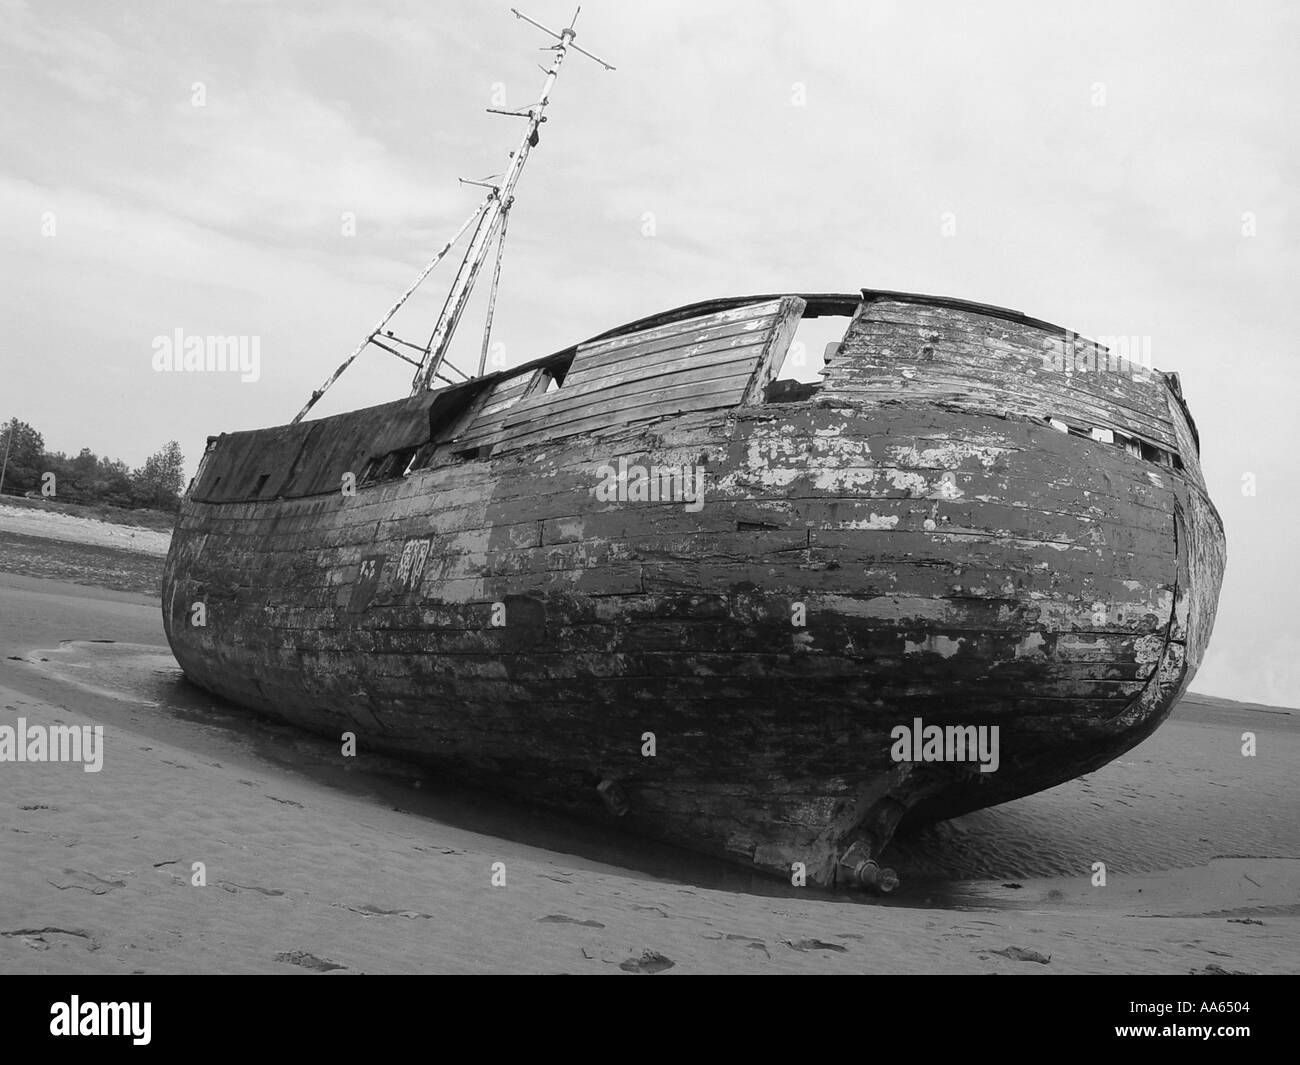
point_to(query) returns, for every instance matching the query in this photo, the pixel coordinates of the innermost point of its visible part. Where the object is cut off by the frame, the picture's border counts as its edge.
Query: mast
(499, 202)
(488, 220)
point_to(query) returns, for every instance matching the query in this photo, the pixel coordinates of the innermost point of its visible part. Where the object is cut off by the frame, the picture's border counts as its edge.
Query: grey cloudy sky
(1104, 164)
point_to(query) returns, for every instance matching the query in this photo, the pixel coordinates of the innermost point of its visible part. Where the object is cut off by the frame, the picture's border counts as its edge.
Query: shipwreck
(650, 578)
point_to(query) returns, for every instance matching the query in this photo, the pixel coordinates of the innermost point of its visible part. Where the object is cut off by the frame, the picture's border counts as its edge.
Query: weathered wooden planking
(1187, 446)
(484, 427)
(914, 353)
(647, 406)
(1100, 371)
(618, 381)
(736, 331)
(310, 457)
(639, 379)
(513, 559)
(686, 327)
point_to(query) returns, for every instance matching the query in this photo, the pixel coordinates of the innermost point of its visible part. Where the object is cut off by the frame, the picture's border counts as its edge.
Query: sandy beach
(315, 863)
(71, 528)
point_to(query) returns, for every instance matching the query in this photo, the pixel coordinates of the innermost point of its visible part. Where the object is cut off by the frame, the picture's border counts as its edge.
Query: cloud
(74, 55)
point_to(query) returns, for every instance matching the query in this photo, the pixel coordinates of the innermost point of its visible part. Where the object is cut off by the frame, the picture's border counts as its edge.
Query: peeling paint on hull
(955, 566)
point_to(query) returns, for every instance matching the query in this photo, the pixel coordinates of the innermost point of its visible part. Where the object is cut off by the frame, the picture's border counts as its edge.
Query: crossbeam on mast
(560, 36)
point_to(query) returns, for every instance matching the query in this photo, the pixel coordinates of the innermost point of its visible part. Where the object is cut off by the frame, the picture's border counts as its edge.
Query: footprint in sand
(38, 938)
(750, 943)
(559, 918)
(368, 910)
(1021, 954)
(650, 962)
(84, 881)
(233, 888)
(308, 961)
(814, 944)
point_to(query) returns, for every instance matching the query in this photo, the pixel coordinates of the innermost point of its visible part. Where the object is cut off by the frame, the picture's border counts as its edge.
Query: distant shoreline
(145, 532)
(127, 517)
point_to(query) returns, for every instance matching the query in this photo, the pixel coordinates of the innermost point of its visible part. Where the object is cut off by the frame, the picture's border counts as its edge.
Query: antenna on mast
(489, 220)
(559, 37)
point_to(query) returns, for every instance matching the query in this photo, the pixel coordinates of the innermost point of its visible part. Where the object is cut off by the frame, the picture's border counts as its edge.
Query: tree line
(25, 466)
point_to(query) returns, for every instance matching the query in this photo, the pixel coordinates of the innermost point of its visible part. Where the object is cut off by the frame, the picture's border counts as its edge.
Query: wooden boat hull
(857, 564)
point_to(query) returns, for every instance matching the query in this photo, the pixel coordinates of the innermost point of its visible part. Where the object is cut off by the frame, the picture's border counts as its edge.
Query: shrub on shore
(97, 481)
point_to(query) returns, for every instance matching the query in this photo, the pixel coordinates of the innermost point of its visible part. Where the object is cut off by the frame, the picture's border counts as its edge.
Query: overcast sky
(1119, 168)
